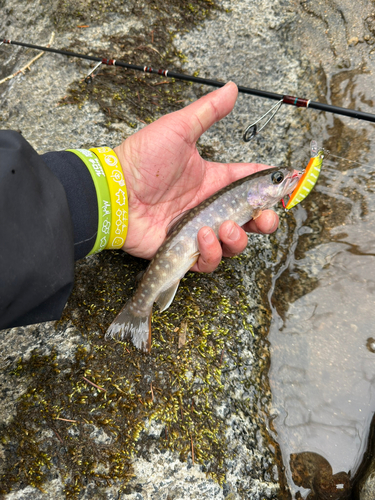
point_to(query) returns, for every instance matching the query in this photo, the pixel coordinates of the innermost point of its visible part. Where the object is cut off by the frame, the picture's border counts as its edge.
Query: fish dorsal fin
(139, 276)
(165, 299)
(175, 221)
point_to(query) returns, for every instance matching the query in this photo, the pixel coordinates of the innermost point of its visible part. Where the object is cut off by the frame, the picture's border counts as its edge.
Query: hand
(165, 176)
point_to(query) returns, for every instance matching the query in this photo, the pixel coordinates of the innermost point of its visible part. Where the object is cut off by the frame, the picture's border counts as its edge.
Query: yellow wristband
(118, 195)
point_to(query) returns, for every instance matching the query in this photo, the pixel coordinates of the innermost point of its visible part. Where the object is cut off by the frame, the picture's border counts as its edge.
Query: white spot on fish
(157, 268)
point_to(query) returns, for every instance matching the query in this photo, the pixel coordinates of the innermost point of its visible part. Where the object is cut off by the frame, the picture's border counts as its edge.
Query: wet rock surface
(186, 422)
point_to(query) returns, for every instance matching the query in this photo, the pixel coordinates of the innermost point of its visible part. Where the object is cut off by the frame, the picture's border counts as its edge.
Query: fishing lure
(309, 177)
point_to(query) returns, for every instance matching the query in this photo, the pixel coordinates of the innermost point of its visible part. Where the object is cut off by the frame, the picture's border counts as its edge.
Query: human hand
(165, 175)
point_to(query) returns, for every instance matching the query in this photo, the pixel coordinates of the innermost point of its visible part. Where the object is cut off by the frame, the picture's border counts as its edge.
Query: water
(322, 372)
(323, 363)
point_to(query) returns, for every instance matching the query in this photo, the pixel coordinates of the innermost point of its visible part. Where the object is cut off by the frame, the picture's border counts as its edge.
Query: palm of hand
(165, 176)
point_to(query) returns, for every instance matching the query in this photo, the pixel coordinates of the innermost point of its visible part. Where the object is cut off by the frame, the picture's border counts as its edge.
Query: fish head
(271, 185)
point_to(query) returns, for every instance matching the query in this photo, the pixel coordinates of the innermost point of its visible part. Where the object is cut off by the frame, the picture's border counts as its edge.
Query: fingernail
(208, 236)
(234, 234)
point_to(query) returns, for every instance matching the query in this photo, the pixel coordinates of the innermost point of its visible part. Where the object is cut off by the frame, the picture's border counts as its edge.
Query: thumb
(200, 115)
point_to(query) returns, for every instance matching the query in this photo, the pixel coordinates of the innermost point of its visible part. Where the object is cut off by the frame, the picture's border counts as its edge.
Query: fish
(240, 201)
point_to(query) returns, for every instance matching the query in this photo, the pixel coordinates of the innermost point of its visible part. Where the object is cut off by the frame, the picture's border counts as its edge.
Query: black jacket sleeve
(48, 218)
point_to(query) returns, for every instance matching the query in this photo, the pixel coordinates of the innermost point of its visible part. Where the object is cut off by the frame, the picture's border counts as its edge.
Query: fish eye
(277, 177)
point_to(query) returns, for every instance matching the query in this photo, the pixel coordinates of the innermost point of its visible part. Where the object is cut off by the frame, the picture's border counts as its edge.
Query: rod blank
(291, 100)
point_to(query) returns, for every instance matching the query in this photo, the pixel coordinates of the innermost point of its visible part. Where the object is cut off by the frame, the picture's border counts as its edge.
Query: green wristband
(102, 192)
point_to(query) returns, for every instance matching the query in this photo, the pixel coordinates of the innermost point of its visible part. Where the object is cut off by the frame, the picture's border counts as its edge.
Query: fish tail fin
(135, 327)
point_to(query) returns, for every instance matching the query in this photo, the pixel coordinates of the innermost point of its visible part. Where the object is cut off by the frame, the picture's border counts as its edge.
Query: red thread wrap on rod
(296, 101)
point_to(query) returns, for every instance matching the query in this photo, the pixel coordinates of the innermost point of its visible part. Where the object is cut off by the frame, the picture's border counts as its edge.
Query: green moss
(61, 412)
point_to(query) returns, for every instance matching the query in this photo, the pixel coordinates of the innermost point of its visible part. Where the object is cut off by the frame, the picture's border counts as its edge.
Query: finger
(210, 251)
(266, 223)
(233, 238)
(200, 115)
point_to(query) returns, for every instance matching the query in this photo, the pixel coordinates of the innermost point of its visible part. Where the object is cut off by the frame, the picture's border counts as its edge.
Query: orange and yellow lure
(308, 179)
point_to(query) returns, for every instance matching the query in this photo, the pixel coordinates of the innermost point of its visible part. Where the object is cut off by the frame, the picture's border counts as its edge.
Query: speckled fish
(241, 201)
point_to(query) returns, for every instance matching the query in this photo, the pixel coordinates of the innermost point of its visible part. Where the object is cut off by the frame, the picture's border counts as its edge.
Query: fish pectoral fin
(257, 213)
(165, 298)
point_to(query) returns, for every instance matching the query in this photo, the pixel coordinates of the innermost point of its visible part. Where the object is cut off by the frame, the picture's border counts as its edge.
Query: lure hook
(314, 148)
(91, 74)
(252, 130)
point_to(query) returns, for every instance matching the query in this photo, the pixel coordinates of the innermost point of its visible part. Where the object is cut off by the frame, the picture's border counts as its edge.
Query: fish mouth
(293, 181)
(296, 175)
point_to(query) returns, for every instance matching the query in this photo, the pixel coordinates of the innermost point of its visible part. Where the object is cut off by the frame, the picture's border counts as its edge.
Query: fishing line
(252, 129)
(328, 153)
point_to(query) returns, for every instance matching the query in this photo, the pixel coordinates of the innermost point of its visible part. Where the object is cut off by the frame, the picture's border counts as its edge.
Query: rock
(210, 396)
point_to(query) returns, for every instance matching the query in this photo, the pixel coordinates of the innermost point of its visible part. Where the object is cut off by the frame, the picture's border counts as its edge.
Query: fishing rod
(252, 129)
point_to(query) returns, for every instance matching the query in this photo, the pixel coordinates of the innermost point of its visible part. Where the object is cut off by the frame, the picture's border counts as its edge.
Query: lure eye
(277, 177)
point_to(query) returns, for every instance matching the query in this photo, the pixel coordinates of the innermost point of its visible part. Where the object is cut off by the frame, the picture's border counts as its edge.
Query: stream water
(322, 335)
